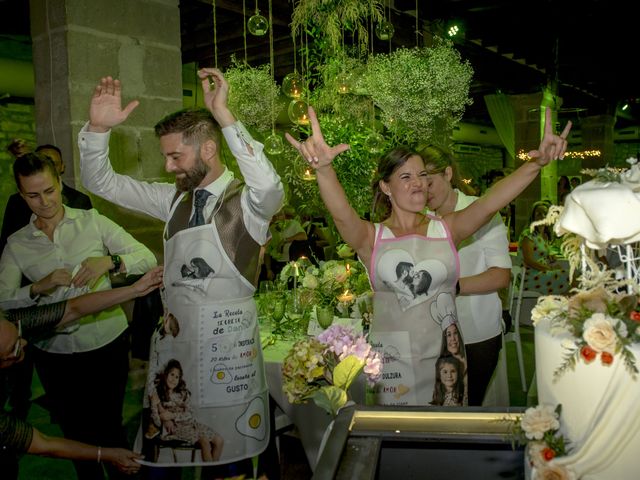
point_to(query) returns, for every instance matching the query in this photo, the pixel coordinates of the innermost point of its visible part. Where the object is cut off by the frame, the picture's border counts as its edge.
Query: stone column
(75, 43)
(529, 117)
(597, 134)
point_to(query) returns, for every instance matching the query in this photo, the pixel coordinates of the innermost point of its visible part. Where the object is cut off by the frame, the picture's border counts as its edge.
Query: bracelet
(99, 454)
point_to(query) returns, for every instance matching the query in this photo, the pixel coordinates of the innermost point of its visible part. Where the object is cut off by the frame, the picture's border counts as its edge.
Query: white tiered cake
(585, 360)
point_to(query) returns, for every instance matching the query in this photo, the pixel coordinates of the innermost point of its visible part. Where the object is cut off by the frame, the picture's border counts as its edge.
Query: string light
(522, 155)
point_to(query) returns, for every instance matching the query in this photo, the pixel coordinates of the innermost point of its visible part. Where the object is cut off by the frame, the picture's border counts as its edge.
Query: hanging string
(215, 36)
(271, 61)
(389, 20)
(295, 53)
(244, 28)
(417, 26)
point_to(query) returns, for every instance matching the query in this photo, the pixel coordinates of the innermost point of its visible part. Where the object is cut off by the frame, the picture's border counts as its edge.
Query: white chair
(517, 294)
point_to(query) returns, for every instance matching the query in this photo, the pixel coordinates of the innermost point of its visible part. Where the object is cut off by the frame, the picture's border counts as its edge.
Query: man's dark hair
(31, 164)
(196, 125)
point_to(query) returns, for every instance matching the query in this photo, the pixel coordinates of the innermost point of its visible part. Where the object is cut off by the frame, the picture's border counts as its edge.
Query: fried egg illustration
(252, 422)
(221, 374)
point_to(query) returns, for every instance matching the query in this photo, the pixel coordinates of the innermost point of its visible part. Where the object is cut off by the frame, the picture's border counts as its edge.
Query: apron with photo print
(415, 327)
(210, 331)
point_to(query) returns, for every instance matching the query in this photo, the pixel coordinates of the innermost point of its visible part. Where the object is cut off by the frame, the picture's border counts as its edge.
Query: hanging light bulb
(299, 112)
(384, 30)
(258, 25)
(374, 143)
(273, 144)
(293, 85)
(343, 83)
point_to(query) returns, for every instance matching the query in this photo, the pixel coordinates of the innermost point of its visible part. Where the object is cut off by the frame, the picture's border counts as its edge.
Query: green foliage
(422, 92)
(252, 95)
(334, 17)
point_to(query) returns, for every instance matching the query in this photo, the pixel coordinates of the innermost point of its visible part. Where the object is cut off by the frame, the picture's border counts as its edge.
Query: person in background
(405, 232)
(64, 252)
(17, 327)
(17, 213)
(564, 188)
(575, 182)
(485, 267)
(211, 215)
(545, 274)
(285, 229)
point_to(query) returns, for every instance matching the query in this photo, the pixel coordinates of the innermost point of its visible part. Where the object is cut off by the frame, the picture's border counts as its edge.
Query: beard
(193, 177)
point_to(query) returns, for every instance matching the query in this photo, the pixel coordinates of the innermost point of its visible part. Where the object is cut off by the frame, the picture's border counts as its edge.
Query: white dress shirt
(480, 315)
(79, 235)
(261, 198)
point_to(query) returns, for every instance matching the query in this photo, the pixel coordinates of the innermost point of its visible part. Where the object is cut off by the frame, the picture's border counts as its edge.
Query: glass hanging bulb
(258, 25)
(374, 143)
(343, 83)
(273, 144)
(384, 30)
(299, 112)
(293, 85)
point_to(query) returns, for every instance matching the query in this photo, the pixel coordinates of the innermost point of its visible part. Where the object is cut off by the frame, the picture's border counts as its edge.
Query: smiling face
(42, 192)
(448, 375)
(407, 185)
(453, 339)
(185, 162)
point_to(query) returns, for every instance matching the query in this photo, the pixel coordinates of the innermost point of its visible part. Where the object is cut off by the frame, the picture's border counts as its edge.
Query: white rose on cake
(536, 421)
(553, 472)
(599, 332)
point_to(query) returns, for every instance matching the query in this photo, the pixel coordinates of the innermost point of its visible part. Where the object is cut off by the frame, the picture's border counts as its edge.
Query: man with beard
(212, 216)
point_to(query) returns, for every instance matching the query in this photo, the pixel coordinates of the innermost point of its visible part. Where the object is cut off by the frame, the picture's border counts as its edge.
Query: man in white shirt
(65, 252)
(211, 219)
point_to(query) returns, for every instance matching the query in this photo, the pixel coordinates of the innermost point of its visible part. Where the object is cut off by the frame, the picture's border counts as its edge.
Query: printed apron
(210, 327)
(415, 326)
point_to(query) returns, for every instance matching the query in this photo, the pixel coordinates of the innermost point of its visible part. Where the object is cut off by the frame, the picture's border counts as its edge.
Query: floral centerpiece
(538, 429)
(323, 368)
(337, 284)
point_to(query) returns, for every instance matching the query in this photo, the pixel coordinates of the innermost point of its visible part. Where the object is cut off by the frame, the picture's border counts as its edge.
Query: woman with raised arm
(410, 338)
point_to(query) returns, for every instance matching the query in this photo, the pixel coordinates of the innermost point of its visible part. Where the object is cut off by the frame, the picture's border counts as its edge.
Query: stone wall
(16, 121)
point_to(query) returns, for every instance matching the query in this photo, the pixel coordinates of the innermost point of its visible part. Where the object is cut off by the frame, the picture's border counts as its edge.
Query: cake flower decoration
(539, 430)
(604, 324)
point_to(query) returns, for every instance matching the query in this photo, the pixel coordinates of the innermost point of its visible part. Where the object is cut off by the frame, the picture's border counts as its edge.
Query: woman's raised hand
(552, 146)
(314, 149)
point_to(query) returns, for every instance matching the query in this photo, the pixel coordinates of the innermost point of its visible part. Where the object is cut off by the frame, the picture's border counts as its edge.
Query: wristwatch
(117, 262)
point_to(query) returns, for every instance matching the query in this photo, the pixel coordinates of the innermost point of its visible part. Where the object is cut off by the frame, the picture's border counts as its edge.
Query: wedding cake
(587, 345)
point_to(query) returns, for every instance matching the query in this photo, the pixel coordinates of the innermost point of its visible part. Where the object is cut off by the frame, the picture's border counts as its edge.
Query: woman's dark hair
(203, 270)
(31, 164)
(161, 381)
(439, 390)
(387, 164)
(423, 285)
(437, 159)
(444, 349)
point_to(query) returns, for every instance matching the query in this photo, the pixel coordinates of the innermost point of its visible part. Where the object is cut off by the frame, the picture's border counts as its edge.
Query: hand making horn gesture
(314, 149)
(552, 146)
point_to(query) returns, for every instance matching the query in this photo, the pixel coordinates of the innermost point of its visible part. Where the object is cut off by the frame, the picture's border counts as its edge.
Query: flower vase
(324, 315)
(327, 432)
